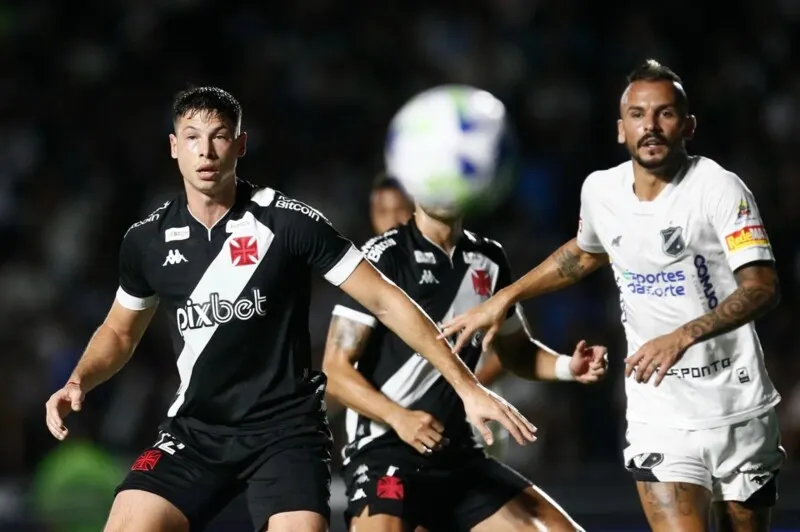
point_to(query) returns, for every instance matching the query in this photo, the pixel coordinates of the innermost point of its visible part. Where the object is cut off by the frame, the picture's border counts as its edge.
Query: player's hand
(589, 363)
(656, 357)
(483, 405)
(488, 316)
(67, 399)
(419, 429)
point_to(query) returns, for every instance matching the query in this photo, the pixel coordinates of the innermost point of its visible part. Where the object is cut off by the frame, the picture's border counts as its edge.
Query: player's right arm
(566, 266)
(348, 334)
(112, 344)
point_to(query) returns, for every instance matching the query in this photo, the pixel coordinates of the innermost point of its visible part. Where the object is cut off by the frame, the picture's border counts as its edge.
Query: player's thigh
(752, 514)
(366, 522)
(380, 494)
(738, 517)
(298, 520)
(141, 511)
(675, 506)
(292, 486)
(672, 476)
(530, 511)
(173, 479)
(747, 458)
(491, 496)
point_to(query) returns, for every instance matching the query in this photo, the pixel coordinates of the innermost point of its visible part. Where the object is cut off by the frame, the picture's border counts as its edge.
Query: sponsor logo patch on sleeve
(751, 235)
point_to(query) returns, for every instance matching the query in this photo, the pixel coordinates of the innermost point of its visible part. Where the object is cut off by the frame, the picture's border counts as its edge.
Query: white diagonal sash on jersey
(227, 280)
(417, 375)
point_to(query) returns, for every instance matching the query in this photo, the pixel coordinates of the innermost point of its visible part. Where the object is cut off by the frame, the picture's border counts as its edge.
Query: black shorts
(285, 469)
(442, 498)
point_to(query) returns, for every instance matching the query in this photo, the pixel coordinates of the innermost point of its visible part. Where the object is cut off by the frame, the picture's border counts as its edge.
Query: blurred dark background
(85, 102)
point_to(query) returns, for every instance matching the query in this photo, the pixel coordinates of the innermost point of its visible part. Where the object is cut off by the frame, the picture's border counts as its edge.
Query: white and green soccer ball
(450, 147)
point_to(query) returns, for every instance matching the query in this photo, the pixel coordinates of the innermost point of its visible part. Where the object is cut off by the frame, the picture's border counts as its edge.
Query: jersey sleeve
(312, 238)
(737, 222)
(514, 317)
(134, 292)
(587, 236)
(375, 251)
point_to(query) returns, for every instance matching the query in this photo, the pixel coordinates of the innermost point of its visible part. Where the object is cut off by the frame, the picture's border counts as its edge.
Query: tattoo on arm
(756, 295)
(348, 335)
(569, 264)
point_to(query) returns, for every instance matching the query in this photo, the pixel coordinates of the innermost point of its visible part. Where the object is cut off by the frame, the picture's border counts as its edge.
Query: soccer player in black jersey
(231, 263)
(389, 205)
(411, 460)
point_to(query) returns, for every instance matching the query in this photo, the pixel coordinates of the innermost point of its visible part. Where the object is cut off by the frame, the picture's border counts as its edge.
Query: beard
(672, 156)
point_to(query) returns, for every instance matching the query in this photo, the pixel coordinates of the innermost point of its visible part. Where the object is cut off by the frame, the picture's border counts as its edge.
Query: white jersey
(673, 260)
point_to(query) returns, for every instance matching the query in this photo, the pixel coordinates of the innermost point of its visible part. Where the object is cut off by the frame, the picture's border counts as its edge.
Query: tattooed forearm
(569, 264)
(348, 335)
(757, 294)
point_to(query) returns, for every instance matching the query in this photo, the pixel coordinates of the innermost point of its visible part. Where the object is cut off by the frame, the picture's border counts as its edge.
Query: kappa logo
(174, 257)
(428, 278)
(672, 241)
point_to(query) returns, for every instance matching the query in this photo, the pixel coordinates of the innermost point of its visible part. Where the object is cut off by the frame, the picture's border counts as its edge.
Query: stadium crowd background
(85, 105)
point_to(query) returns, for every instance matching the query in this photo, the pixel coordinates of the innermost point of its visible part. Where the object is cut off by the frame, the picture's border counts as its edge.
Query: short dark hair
(384, 181)
(652, 70)
(208, 99)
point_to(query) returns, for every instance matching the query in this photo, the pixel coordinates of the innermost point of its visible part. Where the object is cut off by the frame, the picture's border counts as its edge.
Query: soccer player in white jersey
(694, 268)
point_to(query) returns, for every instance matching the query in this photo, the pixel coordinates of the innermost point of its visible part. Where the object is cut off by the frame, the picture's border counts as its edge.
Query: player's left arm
(757, 293)
(733, 213)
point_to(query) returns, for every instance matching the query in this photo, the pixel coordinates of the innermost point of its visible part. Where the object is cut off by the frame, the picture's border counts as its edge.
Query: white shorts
(732, 462)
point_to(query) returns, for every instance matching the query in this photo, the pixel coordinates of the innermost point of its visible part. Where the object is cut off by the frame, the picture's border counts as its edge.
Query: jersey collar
(427, 245)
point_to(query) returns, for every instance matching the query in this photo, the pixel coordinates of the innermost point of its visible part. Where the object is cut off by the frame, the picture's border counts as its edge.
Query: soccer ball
(450, 148)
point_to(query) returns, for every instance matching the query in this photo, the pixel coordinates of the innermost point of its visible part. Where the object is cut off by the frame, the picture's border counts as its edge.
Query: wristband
(562, 371)
(73, 383)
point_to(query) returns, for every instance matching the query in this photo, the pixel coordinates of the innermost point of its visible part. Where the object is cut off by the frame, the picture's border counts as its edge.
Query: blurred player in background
(411, 458)
(389, 205)
(694, 268)
(248, 415)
